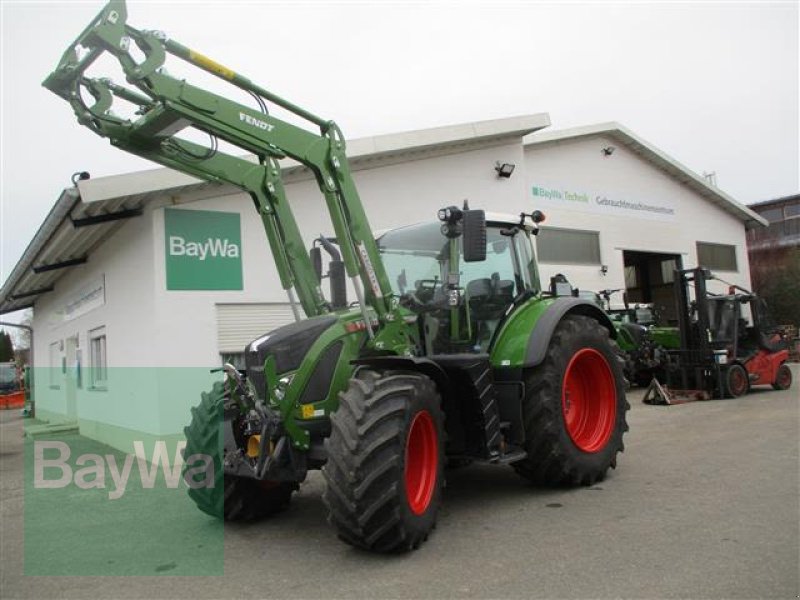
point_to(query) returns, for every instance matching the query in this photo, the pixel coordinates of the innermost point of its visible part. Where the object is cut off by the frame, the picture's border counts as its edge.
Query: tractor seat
(489, 298)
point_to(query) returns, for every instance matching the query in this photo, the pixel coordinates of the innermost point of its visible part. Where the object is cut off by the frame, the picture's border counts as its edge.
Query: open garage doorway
(649, 277)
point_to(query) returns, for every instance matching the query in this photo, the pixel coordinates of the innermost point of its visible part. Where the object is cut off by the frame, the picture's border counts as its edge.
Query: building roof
(84, 218)
(625, 137)
(763, 204)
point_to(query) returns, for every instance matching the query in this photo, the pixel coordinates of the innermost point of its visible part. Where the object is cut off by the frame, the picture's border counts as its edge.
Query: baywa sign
(203, 250)
(558, 197)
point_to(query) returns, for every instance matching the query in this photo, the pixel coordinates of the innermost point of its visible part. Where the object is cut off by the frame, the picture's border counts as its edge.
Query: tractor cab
(460, 302)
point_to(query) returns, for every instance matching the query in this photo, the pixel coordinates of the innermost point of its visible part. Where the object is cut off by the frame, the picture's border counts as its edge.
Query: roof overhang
(363, 153)
(84, 217)
(659, 159)
(775, 201)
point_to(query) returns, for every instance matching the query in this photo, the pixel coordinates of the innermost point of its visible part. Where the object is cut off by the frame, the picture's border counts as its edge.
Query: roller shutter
(240, 324)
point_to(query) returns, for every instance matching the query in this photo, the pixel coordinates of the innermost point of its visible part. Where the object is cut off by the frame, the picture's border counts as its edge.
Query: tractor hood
(288, 345)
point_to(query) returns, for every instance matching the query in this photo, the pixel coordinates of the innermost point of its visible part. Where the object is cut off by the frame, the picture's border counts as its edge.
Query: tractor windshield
(418, 257)
(417, 260)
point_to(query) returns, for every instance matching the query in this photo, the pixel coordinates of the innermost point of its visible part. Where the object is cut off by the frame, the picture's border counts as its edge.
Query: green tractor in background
(641, 340)
(451, 350)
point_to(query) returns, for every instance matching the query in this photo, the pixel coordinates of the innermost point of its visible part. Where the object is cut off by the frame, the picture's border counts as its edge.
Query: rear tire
(574, 407)
(231, 498)
(736, 382)
(783, 378)
(385, 459)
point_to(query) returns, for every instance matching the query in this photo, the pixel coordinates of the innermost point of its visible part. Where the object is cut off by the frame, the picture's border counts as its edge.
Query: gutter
(61, 210)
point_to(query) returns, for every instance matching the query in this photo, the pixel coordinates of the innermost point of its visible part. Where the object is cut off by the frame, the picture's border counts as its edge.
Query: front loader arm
(265, 187)
(166, 106)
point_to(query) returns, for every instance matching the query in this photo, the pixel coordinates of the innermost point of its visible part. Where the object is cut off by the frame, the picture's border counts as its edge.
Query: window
(631, 278)
(716, 256)
(498, 261)
(568, 246)
(792, 210)
(54, 354)
(773, 214)
(668, 270)
(98, 375)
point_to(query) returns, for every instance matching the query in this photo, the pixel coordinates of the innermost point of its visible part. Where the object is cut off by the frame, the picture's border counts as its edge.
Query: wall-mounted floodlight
(80, 176)
(608, 150)
(505, 170)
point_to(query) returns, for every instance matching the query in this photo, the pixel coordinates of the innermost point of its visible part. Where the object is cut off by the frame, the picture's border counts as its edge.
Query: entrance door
(649, 277)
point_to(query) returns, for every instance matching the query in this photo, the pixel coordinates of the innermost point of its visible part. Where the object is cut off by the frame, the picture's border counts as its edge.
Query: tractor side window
(527, 263)
(490, 286)
(497, 269)
(407, 271)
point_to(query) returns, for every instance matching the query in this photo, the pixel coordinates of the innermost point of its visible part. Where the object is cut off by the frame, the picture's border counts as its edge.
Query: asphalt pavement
(704, 504)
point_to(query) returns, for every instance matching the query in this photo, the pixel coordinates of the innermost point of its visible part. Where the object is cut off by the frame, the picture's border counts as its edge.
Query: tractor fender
(411, 363)
(547, 323)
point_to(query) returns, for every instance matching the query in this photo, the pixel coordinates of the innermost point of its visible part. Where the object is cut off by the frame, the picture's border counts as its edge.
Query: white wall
(580, 166)
(148, 326)
(393, 195)
(125, 262)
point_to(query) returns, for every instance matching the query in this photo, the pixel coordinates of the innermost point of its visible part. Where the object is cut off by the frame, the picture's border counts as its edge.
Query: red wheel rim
(737, 381)
(589, 400)
(422, 462)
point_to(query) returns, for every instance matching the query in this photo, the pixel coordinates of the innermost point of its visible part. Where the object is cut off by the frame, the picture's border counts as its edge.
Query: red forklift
(720, 354)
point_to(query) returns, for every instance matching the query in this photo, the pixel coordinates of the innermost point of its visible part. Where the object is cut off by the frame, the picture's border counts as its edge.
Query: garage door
(240, 324)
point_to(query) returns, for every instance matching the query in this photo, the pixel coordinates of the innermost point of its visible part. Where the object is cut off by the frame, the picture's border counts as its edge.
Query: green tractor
(450, 352)
(642, 341)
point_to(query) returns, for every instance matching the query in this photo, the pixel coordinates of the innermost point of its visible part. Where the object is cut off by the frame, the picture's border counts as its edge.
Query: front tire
(736, 381)
(231, 498)
(574, 408)
(385, 459)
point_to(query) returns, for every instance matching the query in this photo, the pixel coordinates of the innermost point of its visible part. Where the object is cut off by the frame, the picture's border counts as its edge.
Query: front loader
(450, 352)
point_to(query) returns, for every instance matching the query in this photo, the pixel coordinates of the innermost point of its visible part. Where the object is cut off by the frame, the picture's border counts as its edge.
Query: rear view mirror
(474, 236)
(316, 261)
(338, 284)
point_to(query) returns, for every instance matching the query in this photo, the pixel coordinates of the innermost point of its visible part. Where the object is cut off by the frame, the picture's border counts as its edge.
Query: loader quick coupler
(267, 453)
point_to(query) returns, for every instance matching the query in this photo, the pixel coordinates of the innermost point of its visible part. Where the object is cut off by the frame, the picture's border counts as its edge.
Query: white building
(106, 293)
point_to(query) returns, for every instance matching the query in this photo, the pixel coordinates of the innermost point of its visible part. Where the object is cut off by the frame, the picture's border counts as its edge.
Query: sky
(712, 84)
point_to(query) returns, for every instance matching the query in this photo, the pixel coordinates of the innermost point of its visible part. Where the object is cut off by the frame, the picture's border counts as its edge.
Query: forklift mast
(166, 106)
(694, 333)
